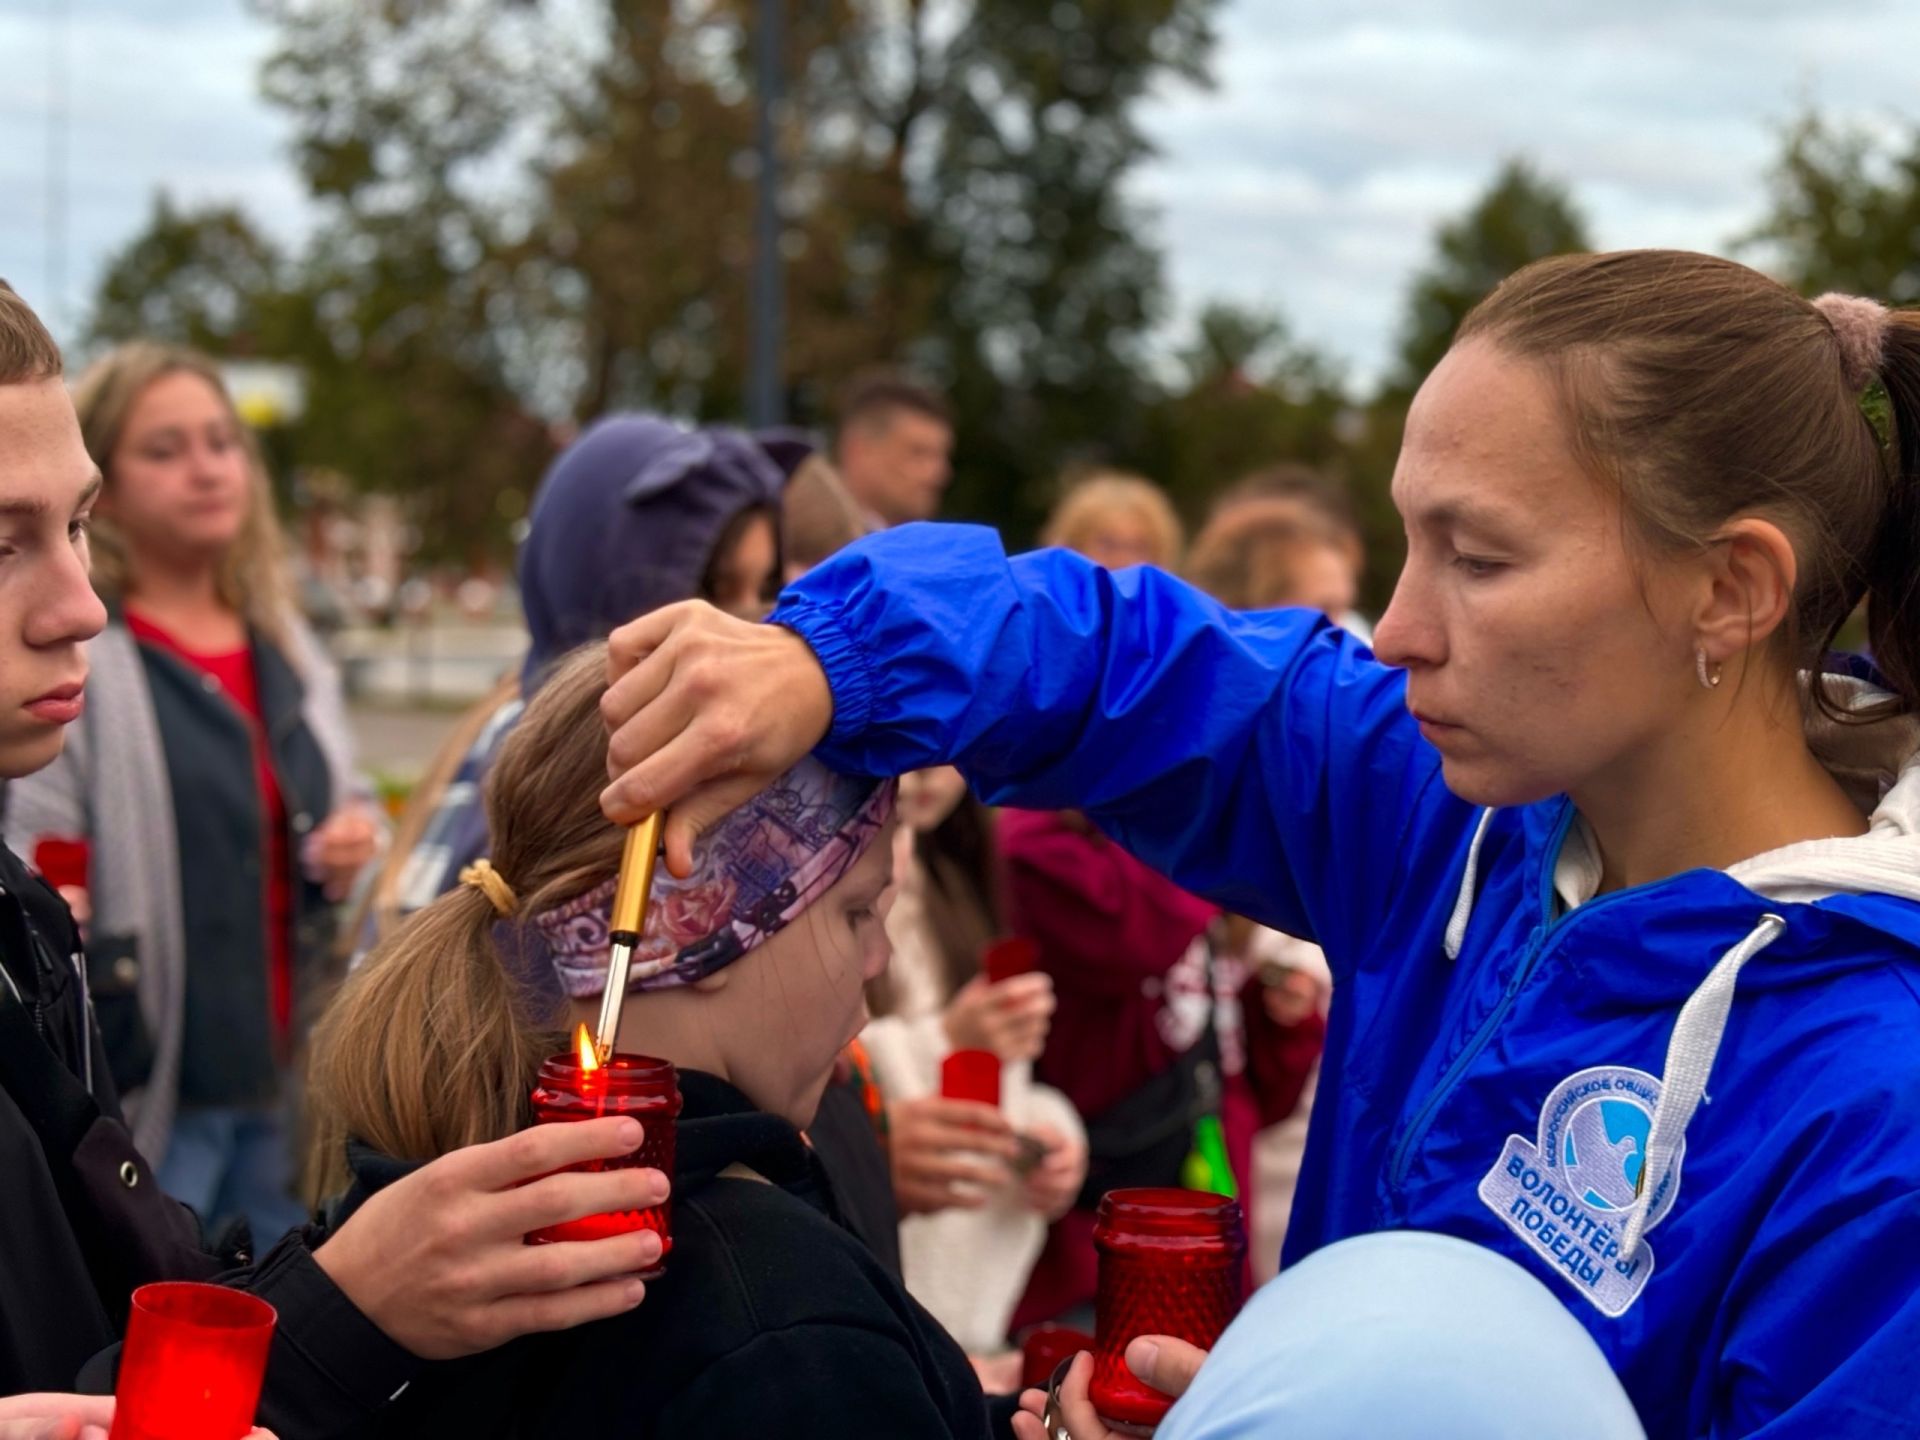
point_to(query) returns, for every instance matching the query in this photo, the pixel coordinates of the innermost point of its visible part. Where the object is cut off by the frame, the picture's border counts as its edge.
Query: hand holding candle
(438, 1260)
(577, 1086)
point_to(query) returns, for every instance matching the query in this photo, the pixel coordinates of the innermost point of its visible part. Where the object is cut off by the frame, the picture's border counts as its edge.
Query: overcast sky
(1309, 179)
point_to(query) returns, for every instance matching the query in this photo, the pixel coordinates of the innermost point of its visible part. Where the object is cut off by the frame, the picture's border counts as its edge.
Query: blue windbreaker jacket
(1508, 1093)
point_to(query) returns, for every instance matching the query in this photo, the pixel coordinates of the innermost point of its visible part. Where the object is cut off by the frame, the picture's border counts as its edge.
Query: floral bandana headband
(753, 873)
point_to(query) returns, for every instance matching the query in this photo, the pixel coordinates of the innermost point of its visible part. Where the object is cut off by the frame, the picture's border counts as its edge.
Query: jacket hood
(626, 521)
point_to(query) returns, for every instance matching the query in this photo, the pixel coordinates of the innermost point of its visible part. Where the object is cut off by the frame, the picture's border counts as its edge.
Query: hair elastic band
(481, 876)
(1860, 325)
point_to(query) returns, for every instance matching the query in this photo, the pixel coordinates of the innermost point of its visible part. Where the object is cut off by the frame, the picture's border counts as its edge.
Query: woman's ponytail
(1893, 560)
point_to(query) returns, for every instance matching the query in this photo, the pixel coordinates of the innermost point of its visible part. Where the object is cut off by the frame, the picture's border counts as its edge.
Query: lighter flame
(588, 1052)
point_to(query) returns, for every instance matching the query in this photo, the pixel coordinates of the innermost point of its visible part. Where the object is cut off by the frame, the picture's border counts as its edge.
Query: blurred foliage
(1844, 212)
(1521, 218)
(532, 213)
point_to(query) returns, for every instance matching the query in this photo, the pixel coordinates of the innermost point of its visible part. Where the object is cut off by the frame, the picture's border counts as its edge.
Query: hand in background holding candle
(1167, 1364)
(439, 1260)
(947, 1153)
(1053, 1184)
(1010, 1018)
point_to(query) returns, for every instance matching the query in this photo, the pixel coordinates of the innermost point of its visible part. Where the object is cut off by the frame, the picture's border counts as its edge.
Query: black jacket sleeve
(331, 1369)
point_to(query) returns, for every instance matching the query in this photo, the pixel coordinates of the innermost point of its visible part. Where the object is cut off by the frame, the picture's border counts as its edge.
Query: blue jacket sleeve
(1265, 761)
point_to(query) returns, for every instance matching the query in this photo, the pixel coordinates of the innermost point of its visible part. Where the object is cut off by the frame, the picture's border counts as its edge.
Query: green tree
(1522, 217)
(1844, 212)
(204, 278)
(1251, 397)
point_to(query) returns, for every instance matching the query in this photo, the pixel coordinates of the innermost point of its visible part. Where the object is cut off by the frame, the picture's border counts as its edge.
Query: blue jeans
(1404, 1333)
(233, 1160)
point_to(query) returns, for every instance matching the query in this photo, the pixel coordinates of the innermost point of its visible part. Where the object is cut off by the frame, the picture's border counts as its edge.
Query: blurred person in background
(817, 517)
(1116, 519)
(1315, 500)
(894, 449)
(973, 1224)
(209, 790)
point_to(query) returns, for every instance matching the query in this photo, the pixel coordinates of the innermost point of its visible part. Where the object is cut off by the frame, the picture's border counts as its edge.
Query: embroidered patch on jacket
(1569, 1193)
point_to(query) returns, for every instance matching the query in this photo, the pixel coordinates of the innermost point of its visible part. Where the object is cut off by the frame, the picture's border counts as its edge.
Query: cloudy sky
(1309, 179)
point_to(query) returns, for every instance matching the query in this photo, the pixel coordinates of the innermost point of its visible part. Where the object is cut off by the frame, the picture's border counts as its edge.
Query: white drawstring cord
(1463, 906)
(1690, 1056)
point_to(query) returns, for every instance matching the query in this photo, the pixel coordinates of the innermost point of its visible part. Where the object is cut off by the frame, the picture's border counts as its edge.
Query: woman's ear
(1751, 570)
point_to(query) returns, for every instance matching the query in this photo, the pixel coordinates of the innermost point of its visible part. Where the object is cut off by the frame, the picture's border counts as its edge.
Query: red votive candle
(1171, 1263)
(1007, 957)
(636, 1085)
(192, 1364)
(1044, 1347)
(971, 1075)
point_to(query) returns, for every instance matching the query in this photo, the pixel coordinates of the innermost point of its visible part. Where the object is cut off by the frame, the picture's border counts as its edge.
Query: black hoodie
(772, 1320)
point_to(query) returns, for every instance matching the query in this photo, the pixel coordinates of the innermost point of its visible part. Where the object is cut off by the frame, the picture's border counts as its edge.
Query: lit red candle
(574, 1085)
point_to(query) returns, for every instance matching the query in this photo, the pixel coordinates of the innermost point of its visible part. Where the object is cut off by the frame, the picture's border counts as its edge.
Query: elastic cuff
(850, 677)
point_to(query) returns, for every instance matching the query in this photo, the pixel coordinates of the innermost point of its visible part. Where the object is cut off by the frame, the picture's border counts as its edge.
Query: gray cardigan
(110, 785)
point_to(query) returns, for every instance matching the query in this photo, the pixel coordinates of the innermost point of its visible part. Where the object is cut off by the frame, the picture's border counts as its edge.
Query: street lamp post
(766, 401)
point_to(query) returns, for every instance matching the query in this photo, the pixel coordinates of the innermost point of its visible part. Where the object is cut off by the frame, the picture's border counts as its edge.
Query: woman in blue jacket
(1621, 895)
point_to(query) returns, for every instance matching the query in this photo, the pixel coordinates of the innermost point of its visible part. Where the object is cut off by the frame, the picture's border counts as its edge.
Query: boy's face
(47, 605)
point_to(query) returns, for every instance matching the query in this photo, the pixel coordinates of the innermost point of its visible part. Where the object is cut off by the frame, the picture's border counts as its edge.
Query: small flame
(588, 1052)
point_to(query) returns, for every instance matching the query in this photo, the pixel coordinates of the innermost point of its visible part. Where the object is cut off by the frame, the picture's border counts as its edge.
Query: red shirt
(233, 671)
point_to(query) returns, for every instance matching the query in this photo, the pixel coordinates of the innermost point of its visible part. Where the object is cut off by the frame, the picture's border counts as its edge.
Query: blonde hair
(27, 351)
(432, 1044)
(1093, 497)
(1246, 555)
(252, 578)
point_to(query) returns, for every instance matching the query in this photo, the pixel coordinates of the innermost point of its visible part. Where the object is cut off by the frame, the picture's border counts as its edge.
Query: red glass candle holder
(192, 1364)
(1171, 1263)
(63, 862)
(1042, 1350)
(1007, 957)
(636, 1085)
(971, 1075)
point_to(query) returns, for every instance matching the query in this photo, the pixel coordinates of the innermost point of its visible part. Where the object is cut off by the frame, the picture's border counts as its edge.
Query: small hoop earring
(1707, 682)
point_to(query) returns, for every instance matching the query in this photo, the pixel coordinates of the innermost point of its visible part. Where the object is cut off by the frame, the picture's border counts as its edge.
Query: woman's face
(1539, 657)
(180, 480)
(742, 577)
(788, 1009)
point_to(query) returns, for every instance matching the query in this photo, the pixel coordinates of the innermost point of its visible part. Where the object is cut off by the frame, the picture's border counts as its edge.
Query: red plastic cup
(62, 862)
(1171, 1263)
(193, 1362)
(971, 1075)
(1007, 957)
(1044, 1347)
(636, 1085)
